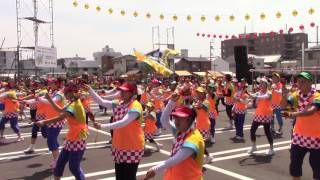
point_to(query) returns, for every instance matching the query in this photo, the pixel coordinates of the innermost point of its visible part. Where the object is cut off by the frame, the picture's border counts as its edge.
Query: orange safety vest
(202, 119)
(131, 136)
(229, 100)
(78, 129)
(239, 105)
(150, 126)
(264, 107)
(276, 97)
(212, 107)
(53, 113)
(309, 126)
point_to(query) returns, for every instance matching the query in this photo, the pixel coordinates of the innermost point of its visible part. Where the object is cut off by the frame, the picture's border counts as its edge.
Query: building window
(310, 56)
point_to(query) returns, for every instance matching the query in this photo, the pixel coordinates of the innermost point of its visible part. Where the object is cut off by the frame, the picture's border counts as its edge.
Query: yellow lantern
(189, 18)
(175, 17)
(262, 16)
(110, 11)
(98, 8)
(311, 11)
(278, 14)
(247, 17)
(203, 18)
(135, 14)
(231, 18)
(122, 12)
(86, 6)
(217, 18)
(148, 15)
(161, 17)
(75, 3)
(294, 13)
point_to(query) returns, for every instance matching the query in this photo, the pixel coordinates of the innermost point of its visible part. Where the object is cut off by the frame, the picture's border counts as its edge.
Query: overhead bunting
(203, 18)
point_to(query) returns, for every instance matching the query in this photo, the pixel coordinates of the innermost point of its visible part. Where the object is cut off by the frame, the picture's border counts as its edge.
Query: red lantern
(233, 37)
(272, 34)
(240, 36)
(312, 24)
(263, 35)
(198, 34)
(220, 36)
(290, 30)
(227, 37)
(248, 36)
(208, 35)
(255, 36)
(281, 31)
(301, 27)
(203, 35)
(214, 36)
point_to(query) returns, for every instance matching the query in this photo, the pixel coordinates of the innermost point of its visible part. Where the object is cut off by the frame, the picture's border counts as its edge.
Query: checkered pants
(307, 142)
(58, 124)
(79, 145)
(125, 156)
(262, 119)
(148, 135)
(275, 106)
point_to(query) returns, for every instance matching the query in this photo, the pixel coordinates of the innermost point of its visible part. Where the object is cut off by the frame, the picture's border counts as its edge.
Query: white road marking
(226, 172)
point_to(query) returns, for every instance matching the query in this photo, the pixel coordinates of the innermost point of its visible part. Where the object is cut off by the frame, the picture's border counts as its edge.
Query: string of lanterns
(253, 35)
(189, 18)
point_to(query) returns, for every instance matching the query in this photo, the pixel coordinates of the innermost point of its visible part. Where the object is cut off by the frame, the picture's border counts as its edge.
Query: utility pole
(211, 53)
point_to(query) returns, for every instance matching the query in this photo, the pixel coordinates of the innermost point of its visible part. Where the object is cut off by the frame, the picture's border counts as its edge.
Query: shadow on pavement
(255, 160)
(38, 175)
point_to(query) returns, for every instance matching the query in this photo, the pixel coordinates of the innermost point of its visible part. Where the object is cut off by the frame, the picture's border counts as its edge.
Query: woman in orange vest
(262, 116)
(240, 109)
(228, 94)
(187, 151)
(76, 139)
(306, 132)
(150, 128)
(213, 114)
(219, 93)
(128, 139)
(10, 113)
(202, 107)
(276, 99)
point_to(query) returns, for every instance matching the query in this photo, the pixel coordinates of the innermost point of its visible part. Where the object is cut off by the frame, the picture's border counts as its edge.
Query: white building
(218, 64)
(106, 51)
(7, 60)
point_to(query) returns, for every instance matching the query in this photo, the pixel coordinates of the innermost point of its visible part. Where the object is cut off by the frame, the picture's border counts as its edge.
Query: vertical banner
(45, 57)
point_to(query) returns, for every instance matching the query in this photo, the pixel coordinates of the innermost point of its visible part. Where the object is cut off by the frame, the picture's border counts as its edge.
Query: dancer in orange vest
(128, 139)
(262, 116)
(276, 99)
(306, 132)
(228, 92)
(187, 151)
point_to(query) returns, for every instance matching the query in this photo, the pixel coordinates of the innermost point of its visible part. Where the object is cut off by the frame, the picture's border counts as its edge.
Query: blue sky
(82, 32)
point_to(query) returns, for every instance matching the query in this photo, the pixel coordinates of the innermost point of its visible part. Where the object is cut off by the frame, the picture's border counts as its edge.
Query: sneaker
(269, 152)
(239, 138)
(53, 164)
(252, 149)
(20, 139)
(208, 160)
(109, 142)
(212, 140)
(280, 132)
(29, 150)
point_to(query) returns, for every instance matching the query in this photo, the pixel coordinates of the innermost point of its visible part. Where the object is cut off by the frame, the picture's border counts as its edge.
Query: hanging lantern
(255, 36)
(278, 14)
(290, 30)
(110, 11)
(214, 36)
(161, 17)
(233, 37)
(281, 31)
(262, 16)
(294, 13)
(217, 18)
(208, 35)
(75, 3)
(227, 37)
(175, 17)
(232, 18)
(220, 36)
(272, 33)
(189, 18)
(311, 11)
(135, 14)
(301, 27)
(98, 8)
(264, 35)
(122, 12)
(312, 24)
(86, 6)
(148, 15)
(248, 36)
(203, 35)
(247, 17)
(203, 18)
(240, 36)
(198, 34)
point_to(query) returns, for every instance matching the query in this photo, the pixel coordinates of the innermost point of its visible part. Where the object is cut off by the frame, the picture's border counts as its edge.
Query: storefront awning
(183, 73)
(215, 73)
(202, 74)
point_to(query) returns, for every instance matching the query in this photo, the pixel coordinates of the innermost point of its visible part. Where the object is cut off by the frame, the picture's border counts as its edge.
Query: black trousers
(229, 111)
(266, 127)
(33, 113)
(126, 171)
(297, 155)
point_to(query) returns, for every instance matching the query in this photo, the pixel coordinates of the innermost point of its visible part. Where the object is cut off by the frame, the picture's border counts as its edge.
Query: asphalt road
(231, 160)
